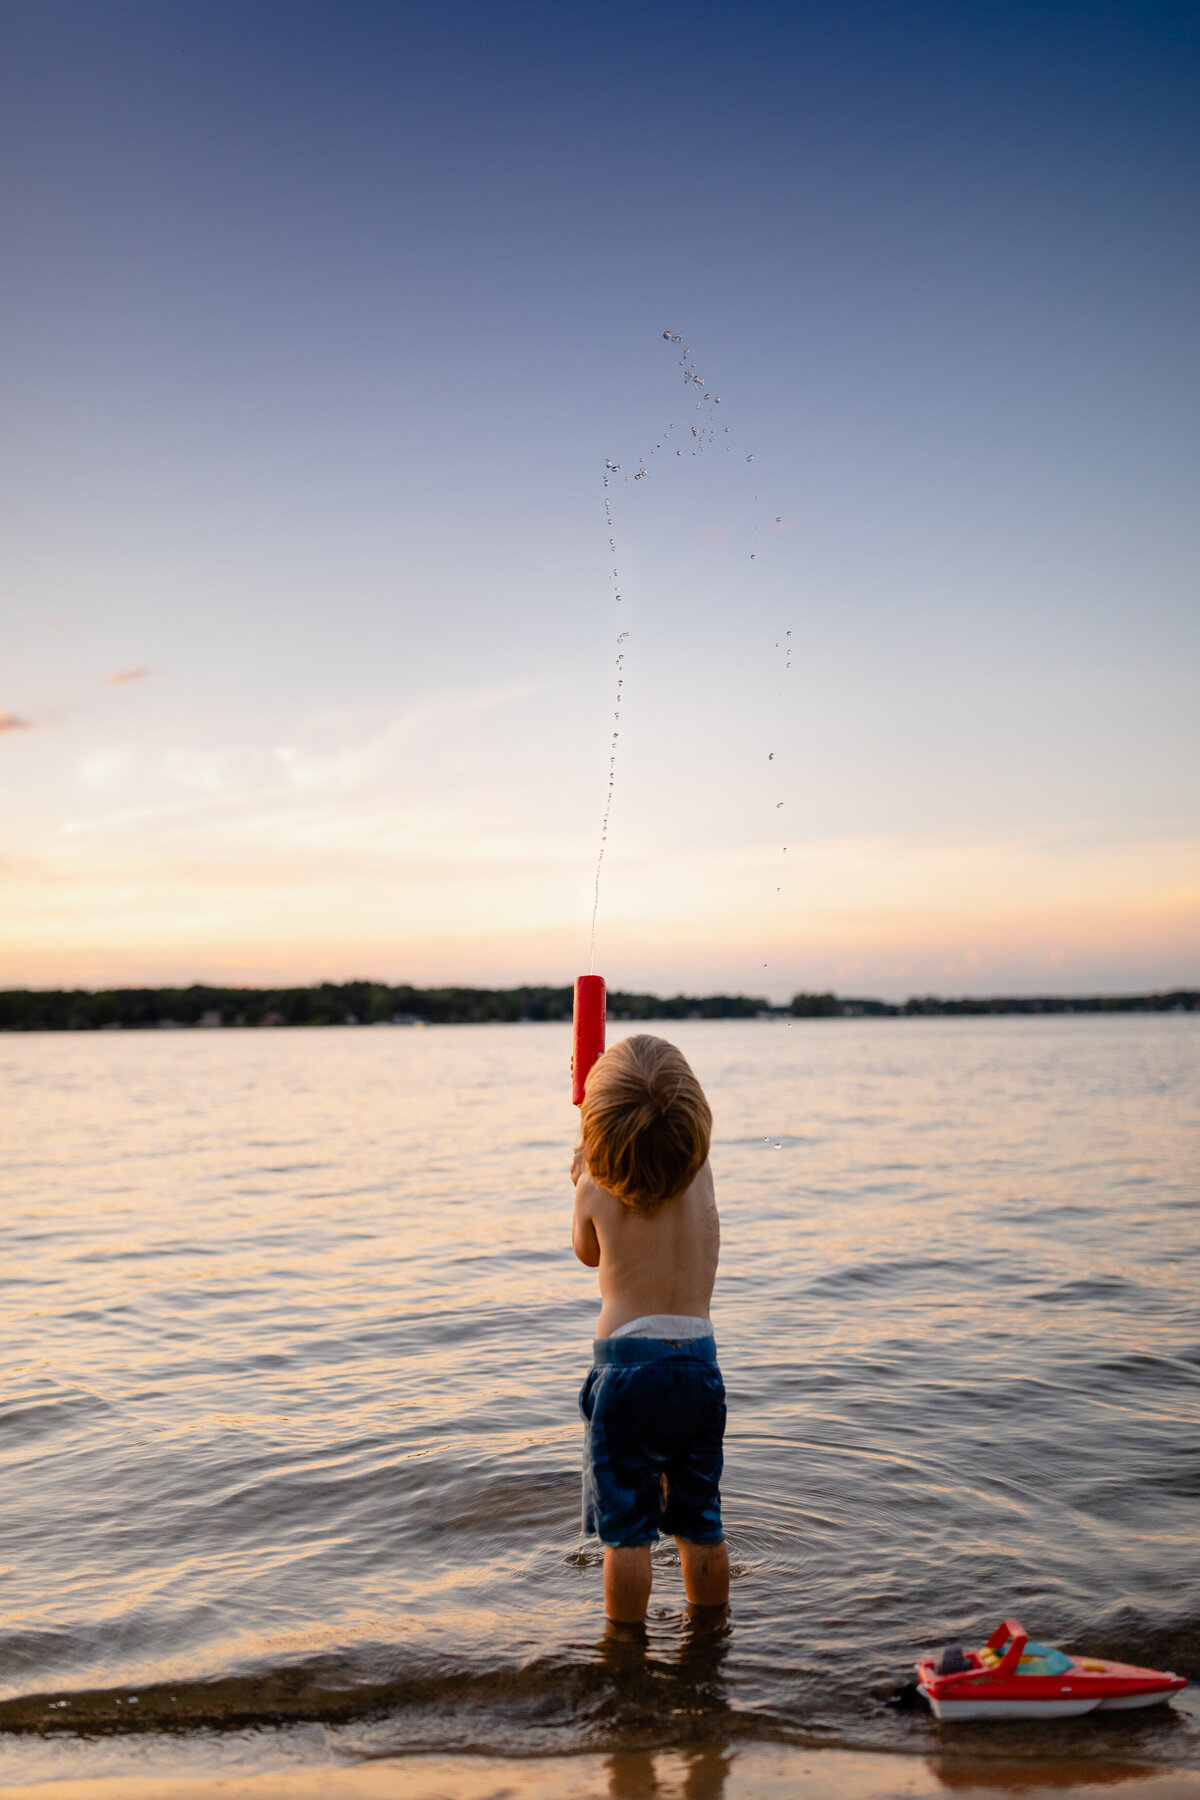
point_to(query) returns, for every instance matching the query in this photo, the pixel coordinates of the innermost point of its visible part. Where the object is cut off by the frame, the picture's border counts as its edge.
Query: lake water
(293, 1336)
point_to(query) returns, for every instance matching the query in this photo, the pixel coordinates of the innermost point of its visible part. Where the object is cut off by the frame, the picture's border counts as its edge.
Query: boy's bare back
(663, 1261)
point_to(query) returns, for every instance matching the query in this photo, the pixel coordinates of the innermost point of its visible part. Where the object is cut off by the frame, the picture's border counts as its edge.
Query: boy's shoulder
(597, 1201)
(601, 1203)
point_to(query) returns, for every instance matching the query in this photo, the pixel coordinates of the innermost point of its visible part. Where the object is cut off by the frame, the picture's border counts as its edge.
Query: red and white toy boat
(1010, 1678)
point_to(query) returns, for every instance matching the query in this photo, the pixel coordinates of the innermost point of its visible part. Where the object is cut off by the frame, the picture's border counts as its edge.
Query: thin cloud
(123, 675)
(238, 777)
(11, 722)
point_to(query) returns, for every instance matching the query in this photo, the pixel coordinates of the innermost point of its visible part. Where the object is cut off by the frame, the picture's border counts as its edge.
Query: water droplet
(770, 756)
(778, 804)
(753, 557)
(751, 459)
(622, 637)
(779, 518)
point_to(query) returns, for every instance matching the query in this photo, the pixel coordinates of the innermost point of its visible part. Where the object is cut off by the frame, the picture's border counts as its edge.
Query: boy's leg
(626, 1583)
(705, 1572)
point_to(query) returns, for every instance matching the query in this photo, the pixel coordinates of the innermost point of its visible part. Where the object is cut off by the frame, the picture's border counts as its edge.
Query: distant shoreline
(378, 1003)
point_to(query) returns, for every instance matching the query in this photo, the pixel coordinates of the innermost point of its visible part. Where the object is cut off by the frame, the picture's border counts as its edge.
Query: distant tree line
(334, 1003)
(832, 1006)
(377, 1003)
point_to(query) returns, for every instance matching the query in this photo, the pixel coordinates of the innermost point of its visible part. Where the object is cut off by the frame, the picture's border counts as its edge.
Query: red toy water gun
(590, 1007)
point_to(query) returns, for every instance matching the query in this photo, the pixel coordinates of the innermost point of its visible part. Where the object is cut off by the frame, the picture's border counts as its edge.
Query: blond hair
(646, 1124)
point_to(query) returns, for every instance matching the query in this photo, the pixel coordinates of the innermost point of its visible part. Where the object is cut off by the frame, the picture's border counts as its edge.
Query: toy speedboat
(1012, 1678)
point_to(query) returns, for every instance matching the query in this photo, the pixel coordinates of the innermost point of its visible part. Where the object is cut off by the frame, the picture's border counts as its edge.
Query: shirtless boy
(654, 1402)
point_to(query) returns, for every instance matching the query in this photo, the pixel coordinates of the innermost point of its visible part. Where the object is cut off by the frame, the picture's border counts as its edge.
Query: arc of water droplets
(610, 469)
(785, 645)
(705, 437)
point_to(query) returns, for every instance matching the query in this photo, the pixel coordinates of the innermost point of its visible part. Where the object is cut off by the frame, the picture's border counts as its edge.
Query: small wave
(623, 1693)
(1128, 1634)
(887, 1274)
(35, 1415)
(1091, 1288)
(780, 1140)
(1063, 1209)
(1146, 1366)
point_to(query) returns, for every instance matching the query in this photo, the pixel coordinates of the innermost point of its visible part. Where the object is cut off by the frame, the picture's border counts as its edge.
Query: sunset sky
(320, 323)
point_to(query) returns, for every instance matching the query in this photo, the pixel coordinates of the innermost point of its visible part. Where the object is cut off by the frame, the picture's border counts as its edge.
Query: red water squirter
(591, 1002)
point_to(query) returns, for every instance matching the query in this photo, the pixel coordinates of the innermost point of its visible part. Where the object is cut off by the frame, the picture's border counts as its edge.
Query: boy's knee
(693, 1551)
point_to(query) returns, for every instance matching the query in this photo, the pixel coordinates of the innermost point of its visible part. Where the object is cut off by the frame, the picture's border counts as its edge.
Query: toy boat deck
(1012, 1678)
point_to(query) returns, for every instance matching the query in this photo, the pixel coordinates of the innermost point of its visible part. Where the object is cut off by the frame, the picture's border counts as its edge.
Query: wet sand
(706, 1774)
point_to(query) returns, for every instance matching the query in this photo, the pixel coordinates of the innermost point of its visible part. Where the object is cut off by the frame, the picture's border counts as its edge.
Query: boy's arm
(584, 1241)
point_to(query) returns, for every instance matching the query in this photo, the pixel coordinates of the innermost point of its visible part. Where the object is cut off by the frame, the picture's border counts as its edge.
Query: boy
(654, 1403)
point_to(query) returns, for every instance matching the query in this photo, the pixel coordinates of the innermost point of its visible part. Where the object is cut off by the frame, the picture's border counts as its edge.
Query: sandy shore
(706, 1774)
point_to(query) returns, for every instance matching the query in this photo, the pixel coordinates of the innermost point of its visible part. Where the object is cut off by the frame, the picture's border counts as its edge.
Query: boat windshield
(1036, 1659)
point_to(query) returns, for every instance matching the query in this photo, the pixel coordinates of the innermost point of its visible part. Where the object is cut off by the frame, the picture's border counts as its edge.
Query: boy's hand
(578, 1165)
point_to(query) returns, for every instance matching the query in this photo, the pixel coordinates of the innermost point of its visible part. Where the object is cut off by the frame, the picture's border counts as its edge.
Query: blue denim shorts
(653, 1408)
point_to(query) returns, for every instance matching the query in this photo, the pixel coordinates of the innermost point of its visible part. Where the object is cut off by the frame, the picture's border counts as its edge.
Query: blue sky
(322, 321)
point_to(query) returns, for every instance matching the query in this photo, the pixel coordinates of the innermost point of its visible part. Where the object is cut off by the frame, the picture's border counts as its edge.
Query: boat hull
(1127, 1702)
(951, 1710)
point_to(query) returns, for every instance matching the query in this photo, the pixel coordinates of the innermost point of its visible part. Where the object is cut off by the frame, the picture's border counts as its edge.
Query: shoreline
(205, 1006)
(709, 1772)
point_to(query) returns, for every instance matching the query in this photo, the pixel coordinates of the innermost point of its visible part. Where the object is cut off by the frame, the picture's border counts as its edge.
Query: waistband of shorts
(631, 1350)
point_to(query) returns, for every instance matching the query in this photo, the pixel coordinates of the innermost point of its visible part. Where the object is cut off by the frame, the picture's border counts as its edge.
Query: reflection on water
(698, 1774)
(293, 1334)
(676, 1685)
(982, 1777)
(685, 1685)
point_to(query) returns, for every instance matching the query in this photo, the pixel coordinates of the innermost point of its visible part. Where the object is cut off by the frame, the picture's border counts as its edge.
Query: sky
(321, 323)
